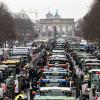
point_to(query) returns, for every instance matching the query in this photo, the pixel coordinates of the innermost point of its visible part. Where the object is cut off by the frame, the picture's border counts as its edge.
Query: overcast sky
(66, 8)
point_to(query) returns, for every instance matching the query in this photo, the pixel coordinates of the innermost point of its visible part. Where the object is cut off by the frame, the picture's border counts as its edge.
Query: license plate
(53, 80)
(55, 74)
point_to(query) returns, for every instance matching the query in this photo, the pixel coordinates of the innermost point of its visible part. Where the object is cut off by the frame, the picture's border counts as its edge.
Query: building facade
(63, 26)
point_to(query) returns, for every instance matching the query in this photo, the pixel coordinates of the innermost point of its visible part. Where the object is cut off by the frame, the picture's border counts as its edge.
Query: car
(58, 52)
(13, 65)
(88, 67)
(58, 55)
(54, 76)
(94, 82)
(55, 73)
(58, 61)
(55, 93)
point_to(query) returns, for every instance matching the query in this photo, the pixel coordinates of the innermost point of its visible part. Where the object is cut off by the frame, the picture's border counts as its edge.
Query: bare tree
(78, 28)
(7, 29)
(91, 22)
(24, 28)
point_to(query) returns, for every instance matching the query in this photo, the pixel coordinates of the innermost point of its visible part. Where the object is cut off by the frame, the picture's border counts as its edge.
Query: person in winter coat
(77, 92)
(94, 91)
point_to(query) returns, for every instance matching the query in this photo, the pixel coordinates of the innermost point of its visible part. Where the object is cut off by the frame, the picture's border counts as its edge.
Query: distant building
(49, 15)
(20, 15)
(63, 26)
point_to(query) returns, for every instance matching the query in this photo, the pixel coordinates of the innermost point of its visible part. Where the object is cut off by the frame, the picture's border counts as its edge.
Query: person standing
(94, 91)
(32, 94)
(77, 92)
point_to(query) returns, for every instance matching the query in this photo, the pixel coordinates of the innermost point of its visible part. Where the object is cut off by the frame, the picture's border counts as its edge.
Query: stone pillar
(60, 29)
(41, 28)
(46, 28)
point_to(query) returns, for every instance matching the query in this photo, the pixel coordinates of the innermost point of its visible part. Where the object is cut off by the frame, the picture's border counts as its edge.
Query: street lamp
(55, 32)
